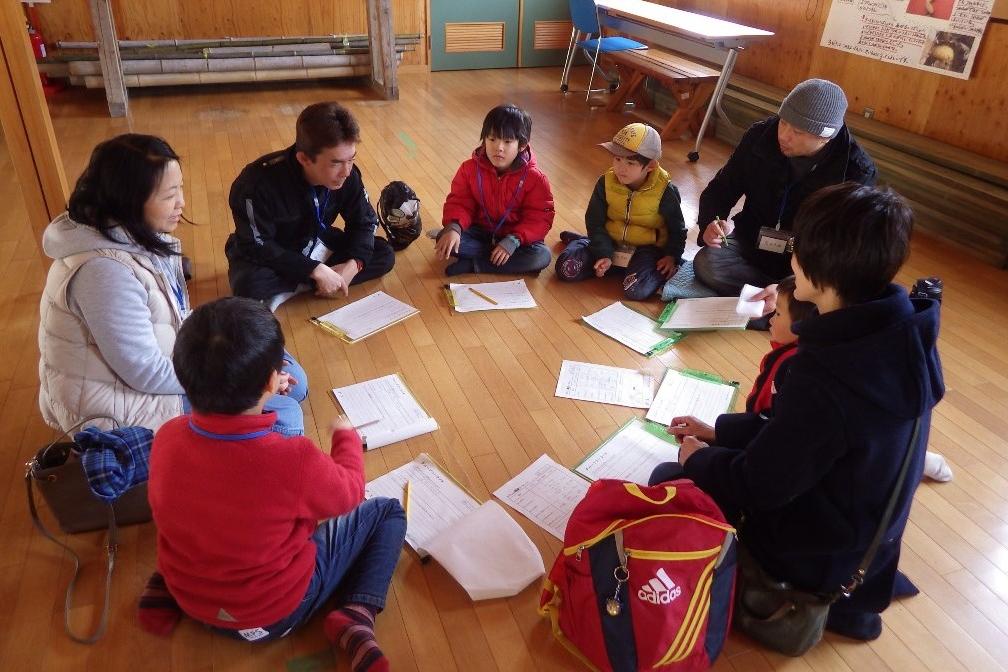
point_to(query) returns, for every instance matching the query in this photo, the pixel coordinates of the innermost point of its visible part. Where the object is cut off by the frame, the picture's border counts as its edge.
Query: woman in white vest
(115, 295)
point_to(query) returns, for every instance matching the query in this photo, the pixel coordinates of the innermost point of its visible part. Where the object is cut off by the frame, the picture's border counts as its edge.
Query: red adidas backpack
(645, 579)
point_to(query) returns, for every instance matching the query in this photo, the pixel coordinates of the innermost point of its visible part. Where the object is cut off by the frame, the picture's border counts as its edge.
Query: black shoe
(568, 237)
(187, 268)
(927, 288)
(861, 625)
(903, 586)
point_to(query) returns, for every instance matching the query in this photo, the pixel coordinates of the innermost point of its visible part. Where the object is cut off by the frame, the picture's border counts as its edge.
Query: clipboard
(425, 425)
(340, 332)
(697, 375)
(663, 344)
(650, 428)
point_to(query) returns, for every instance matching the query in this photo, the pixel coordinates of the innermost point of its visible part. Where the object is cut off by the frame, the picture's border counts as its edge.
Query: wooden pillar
(108, 54)
(26, 124)
(381, 39)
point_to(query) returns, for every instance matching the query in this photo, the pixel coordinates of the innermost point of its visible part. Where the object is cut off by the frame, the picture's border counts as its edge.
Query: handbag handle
(857, 578)
(111, 545)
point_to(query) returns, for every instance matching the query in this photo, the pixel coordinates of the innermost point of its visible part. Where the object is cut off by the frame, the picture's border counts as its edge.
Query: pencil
(724, 238)
(482, 296)
(406, 498)
(367, 424)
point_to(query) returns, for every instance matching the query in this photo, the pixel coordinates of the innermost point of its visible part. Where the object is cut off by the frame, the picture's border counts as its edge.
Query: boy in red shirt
(500, 206)
(237, 505)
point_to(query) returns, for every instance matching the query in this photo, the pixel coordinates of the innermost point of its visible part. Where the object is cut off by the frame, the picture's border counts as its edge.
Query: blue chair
(586, 34)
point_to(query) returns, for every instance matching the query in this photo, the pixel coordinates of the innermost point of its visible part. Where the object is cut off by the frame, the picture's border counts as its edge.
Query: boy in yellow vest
(634, 220)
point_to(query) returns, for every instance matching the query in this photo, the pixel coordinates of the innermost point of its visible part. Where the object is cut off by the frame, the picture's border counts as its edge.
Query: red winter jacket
(531, 216)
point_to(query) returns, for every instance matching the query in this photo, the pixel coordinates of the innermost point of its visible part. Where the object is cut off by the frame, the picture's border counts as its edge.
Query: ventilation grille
(552, 34)
(483, 36)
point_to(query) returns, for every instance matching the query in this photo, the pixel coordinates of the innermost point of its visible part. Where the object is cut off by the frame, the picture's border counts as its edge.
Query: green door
(546, 31)
(473, 34)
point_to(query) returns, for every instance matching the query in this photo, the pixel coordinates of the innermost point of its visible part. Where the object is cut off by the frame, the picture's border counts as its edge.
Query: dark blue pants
(476, 245)
(641, 277)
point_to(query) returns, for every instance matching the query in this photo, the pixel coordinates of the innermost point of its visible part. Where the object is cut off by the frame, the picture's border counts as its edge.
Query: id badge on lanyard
(319, 252)
(772, 239)
(622, 255)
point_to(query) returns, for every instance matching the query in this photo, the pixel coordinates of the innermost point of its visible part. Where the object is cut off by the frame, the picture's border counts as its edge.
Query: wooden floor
(489, 381)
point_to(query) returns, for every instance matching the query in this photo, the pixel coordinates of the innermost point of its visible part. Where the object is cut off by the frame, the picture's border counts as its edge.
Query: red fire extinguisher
(38, 44)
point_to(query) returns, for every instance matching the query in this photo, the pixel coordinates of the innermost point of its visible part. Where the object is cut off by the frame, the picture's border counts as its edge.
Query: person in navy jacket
(807, 486)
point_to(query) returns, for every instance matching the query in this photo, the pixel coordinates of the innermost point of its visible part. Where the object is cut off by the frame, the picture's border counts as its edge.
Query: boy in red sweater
(783, 344)
(237, 505)
(500, 206)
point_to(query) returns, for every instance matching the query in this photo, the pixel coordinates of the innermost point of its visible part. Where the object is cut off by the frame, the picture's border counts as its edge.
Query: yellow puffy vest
(632, 216)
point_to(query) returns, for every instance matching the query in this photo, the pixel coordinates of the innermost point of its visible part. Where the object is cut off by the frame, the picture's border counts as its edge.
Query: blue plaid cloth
(116, 460)
(684, 285)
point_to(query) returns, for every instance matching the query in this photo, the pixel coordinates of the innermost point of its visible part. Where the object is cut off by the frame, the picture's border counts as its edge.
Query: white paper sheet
(604, 384)
(545, 493)
(637, 332)
(366, 316)
(436, 501)
(717, 312)
(401, 417)
(631, 454)
(488, 553)
(746, 305)
(680, 394)
(508, 295)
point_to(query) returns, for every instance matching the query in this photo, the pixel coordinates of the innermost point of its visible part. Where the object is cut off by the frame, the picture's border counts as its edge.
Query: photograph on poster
(947, 51)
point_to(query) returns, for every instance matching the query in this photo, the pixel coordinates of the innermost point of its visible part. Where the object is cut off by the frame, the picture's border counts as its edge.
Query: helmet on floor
(399, 214)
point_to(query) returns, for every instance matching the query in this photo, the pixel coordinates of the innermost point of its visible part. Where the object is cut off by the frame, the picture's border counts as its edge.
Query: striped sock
(351, 628)
(158, 613)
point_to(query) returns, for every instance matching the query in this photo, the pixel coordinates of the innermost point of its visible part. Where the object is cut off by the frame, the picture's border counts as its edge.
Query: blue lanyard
(179, 292)
(227, 437)
(780, 213)
(319, 211)
(511, 201)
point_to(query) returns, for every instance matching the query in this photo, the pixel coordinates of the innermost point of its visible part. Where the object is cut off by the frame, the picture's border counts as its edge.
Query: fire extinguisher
(38, 44)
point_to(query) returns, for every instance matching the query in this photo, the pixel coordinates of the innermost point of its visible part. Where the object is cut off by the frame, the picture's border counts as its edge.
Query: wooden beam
(26, 124)
(382, 46)
(108, 54)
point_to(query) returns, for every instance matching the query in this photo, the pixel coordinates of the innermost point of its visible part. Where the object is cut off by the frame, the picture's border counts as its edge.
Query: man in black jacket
(776, 166)
(285, 205)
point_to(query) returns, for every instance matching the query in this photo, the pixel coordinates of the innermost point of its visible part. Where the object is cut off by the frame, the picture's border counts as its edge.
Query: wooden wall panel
(193, 19)
(972, 114)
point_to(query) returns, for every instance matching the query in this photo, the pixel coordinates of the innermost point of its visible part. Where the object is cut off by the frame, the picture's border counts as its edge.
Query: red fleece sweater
(235, 516)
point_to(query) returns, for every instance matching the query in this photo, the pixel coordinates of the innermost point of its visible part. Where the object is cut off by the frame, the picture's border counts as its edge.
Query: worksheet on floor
(686, 393)
(400, 416)
(604, 384)
(631, 454)
(436, 500)
(508, 295)
(637, 332)
(545, 493)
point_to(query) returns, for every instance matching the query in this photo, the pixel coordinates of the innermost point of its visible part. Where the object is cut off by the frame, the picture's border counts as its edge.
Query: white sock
(936, 468)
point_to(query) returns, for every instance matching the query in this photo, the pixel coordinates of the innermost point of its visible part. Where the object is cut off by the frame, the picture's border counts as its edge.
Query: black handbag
(789, 620)
(57, 473)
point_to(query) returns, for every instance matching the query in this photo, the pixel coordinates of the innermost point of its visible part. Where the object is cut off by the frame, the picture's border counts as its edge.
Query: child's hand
(340, 423)
(688, 425)
(287, 381)
(768, 295)
(602, 265)
(667, 266)
(447, 243)
(498, 255)
(690, 445)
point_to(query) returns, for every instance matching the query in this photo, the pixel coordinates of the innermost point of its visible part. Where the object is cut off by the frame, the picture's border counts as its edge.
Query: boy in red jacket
(500, 206)
(237, 505)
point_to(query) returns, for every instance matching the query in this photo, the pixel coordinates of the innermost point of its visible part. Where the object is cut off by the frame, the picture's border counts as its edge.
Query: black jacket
(758, 171)
(284, 221)
(808, 486)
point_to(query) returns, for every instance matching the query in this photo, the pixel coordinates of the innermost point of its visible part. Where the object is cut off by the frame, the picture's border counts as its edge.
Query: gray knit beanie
(815, 106)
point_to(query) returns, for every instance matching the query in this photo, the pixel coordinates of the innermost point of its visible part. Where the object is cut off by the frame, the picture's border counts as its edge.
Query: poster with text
(940, 36)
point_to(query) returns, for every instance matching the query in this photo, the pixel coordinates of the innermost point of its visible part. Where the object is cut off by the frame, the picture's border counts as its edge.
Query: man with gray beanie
(777, 164)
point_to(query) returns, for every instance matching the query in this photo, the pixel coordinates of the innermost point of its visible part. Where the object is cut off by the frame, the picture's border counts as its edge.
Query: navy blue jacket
(759, 171)
(807, 487)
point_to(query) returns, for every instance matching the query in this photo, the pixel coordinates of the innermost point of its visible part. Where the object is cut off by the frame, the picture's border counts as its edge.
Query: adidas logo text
(659, 590)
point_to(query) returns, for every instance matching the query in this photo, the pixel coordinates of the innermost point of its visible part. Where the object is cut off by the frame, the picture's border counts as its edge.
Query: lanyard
(780, 213)
(179, 296)
(320, 210)
(511, 201)
(227, 437)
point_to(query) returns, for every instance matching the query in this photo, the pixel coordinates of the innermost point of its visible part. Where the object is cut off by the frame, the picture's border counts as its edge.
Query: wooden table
(703, 37)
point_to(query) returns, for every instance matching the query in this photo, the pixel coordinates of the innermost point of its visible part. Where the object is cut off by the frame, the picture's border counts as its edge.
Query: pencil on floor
(406, 498)
(482, 296)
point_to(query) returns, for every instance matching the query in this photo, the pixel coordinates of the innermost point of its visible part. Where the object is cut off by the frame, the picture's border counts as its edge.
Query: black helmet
(399, 214)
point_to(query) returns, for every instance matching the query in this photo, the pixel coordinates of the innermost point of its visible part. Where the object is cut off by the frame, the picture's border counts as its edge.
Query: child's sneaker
(567, 237)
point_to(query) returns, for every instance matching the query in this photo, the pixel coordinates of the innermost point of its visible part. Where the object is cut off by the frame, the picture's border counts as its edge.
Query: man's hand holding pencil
(717, 232)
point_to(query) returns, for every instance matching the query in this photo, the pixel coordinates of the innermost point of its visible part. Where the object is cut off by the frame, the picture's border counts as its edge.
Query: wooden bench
(691, 84)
